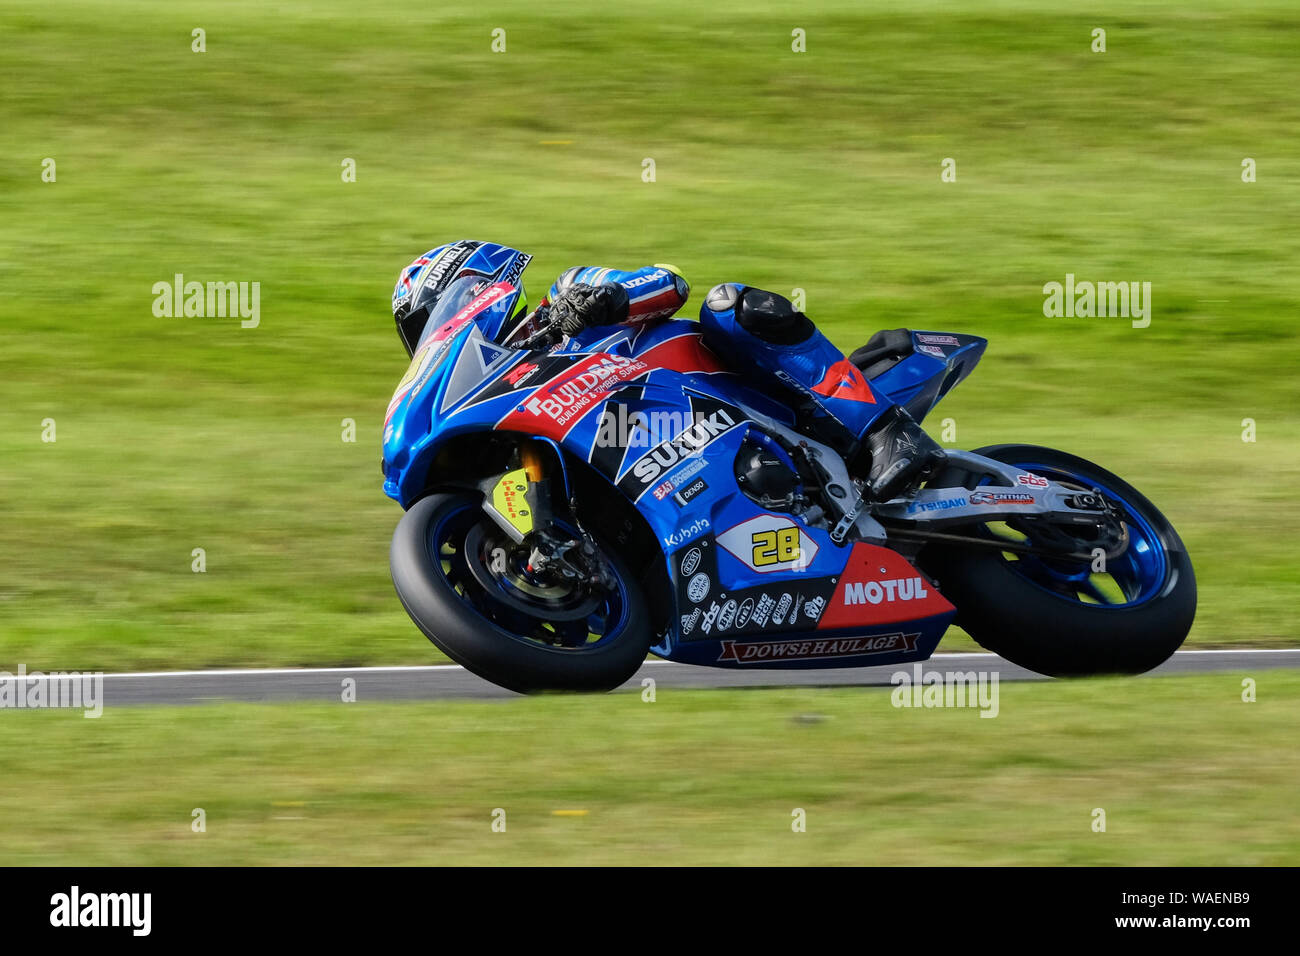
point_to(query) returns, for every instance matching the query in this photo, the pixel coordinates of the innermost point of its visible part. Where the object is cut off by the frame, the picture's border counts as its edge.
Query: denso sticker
(769, 543)
(757, 652)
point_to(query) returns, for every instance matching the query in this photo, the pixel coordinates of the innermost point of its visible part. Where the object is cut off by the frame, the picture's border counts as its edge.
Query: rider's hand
(582, 306)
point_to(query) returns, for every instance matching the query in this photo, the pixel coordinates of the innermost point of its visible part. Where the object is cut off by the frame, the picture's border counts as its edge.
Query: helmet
(422, 283)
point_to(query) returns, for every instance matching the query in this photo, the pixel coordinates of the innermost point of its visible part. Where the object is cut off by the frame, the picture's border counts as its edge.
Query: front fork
(520, 502)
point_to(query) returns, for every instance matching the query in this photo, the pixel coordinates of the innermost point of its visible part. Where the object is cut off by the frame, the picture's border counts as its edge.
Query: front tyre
(1058, 616)
(451, 571)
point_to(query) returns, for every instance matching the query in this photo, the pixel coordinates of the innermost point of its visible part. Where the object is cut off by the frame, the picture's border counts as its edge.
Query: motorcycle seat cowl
(883, 351)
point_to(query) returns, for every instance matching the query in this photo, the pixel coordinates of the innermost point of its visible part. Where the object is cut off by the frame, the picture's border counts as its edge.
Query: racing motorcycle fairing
(662, 420)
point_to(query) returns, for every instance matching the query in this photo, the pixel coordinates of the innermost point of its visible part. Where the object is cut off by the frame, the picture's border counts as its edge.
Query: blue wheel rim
(605, 625)
(1135, 577)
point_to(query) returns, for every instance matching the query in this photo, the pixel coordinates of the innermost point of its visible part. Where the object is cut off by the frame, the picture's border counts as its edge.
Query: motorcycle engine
(767, 477)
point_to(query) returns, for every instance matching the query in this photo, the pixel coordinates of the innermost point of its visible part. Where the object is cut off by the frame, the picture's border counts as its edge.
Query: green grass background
(1186, 773)
(817, 170)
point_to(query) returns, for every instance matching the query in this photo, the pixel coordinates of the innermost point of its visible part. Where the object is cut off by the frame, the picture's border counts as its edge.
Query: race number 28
(776, 547)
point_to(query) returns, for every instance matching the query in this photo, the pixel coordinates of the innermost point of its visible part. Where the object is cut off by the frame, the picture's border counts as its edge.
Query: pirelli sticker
(509, 497)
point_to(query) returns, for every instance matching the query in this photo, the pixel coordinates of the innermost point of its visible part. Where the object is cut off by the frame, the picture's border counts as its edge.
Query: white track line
(418, 668)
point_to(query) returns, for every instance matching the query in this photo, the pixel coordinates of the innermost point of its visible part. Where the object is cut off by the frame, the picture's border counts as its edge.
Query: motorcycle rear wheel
(1057, 616)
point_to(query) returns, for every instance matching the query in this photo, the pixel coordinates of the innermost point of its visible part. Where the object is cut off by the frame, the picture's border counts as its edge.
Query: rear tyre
(1057, 616)
(449, 576)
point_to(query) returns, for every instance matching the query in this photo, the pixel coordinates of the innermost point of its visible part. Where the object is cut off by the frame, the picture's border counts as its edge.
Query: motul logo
(877, 592)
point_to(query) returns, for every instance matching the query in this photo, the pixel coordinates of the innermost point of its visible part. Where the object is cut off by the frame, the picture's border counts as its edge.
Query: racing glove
(582, 306)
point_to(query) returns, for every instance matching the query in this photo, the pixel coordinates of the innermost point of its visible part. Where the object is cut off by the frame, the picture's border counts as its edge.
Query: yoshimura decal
(665, 488)
(753, 652)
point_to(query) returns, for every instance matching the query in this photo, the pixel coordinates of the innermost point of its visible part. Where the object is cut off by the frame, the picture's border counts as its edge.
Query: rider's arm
(654, 292)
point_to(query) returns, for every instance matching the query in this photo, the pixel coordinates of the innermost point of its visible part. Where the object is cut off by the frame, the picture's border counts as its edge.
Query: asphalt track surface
(451, 682)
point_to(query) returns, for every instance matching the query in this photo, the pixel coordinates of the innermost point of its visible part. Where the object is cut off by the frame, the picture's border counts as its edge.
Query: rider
(760, 332)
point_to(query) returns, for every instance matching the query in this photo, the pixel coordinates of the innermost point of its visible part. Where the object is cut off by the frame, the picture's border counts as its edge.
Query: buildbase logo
(757, 652)
(75, 908)
(580, 390)
(58, 689)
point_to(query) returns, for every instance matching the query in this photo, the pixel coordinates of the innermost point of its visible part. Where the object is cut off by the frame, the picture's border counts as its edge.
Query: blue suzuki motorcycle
(568, 510)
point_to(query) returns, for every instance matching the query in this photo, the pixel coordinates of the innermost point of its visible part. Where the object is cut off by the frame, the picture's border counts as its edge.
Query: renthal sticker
(763, 609)
(1000, 498)
(689, 621)
(727, 616)
(691, 491)
(667, 455)
(691, 562)
(769, 543)
(813, 609)
(933, 350)
(937, 339)
(682, 535)
(698, 589)
(706, 625)
(578, 391)
(1032, 480)
(782, 608)
(744, 613)
(942, 504)
(877, 592)
(755, 652)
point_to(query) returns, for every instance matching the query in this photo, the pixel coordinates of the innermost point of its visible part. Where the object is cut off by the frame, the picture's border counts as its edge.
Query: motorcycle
(568, 510)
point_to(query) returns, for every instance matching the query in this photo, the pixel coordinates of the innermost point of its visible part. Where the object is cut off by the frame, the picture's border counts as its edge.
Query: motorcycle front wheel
(459, 581)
